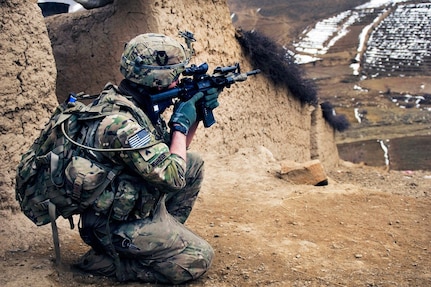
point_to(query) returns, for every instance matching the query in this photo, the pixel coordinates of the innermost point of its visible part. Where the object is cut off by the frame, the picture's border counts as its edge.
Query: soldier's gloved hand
(185, 114)
(211, 98)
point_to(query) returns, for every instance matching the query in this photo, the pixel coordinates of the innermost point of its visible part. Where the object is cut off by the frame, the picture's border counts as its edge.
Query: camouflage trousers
(158, 248)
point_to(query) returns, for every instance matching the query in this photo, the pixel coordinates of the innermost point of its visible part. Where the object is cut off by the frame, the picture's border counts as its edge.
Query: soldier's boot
(101, 264)
(134, 271)
(97, 264)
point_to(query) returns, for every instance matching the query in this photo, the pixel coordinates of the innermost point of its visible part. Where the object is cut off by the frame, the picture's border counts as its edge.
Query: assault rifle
(200, 81)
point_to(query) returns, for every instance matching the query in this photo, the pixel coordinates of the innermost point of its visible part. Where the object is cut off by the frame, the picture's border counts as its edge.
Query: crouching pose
(135, 227)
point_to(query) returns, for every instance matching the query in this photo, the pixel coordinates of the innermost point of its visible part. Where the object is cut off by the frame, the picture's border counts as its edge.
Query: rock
(310, 172)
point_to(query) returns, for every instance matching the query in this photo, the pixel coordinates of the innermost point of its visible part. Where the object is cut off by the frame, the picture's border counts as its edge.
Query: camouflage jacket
(150, 165)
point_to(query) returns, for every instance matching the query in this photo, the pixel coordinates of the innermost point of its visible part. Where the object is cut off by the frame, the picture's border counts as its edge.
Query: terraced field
(369, 60)
(401, 43)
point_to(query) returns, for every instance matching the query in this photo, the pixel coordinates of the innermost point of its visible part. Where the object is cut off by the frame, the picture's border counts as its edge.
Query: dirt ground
(367, 227)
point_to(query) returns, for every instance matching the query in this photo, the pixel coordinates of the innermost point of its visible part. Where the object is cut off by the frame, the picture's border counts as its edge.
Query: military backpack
(54, 177)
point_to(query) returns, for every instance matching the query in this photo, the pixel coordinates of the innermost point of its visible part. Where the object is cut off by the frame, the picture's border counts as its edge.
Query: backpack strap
(53, 216)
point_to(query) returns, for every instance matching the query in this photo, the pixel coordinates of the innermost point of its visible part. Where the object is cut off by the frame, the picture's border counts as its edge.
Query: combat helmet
(153, 60)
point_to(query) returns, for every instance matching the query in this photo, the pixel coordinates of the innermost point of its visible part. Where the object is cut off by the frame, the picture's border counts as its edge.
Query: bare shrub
(338, 122)
(278, 65)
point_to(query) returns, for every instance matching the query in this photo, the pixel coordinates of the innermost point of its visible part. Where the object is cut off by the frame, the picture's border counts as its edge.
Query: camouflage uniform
(136, 227)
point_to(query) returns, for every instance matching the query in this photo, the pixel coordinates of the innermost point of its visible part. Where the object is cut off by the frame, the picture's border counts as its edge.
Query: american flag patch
(140, 139)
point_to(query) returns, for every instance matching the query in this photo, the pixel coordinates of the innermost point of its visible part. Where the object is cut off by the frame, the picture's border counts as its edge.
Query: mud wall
(87, 46)
(27, 86)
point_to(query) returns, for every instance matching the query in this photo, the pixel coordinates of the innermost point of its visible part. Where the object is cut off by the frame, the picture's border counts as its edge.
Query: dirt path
(368, 227)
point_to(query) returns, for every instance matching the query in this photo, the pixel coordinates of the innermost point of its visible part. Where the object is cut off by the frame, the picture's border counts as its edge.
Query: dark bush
(338, 122)
(278, 65)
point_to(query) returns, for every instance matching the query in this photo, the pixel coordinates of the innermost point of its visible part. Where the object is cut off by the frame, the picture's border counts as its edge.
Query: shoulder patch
(139, 139)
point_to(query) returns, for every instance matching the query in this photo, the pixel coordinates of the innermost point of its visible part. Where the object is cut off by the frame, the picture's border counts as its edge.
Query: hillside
(282, 20)
(391, 95)
(392, 99)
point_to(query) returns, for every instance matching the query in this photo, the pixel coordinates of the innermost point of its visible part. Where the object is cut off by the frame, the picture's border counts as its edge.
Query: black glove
(211, 98)
(185, 114)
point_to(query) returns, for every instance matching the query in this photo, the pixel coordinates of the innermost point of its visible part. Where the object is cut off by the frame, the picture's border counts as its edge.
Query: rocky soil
(368, 227)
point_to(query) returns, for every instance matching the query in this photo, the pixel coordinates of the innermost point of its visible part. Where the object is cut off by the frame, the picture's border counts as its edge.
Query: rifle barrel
(254, 72)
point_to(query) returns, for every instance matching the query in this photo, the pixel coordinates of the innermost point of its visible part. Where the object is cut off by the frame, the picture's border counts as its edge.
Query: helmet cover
(153, 60)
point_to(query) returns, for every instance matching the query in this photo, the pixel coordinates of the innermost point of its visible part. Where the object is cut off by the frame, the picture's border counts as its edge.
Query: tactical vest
(54, 177)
